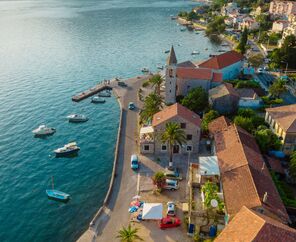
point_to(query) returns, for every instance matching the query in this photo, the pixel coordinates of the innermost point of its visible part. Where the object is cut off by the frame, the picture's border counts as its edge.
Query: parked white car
(171, 185)
(171, 209)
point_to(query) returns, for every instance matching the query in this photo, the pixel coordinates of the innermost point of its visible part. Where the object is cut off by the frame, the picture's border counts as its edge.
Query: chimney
(265, 197)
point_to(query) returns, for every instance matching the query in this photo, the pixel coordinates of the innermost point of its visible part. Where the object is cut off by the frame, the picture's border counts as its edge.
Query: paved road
(125, 183)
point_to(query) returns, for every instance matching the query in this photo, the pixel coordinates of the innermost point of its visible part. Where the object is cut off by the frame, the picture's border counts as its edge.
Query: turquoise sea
(50, 50)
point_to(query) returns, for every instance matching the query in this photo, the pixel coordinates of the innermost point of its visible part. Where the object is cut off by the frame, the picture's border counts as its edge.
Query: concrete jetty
(92, 91)
(123, 184)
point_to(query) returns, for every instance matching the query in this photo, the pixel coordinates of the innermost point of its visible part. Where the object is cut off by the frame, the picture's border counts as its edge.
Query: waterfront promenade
(115, 214)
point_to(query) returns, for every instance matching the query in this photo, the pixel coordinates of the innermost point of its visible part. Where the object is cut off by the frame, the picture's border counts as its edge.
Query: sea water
(49, 51)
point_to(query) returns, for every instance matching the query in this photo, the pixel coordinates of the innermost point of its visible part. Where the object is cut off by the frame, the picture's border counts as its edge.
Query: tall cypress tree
(241, 47)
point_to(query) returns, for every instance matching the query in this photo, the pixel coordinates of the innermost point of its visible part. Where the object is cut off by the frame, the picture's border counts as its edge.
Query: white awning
(146, 130)
(208, 165)
(152, 211)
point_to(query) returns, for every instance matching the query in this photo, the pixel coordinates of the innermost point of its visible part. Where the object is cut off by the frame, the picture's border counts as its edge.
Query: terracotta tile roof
(223, 60)
(275, 165)
(187, 64)
(217, 77)
(194, 73)
(248, 225)
(245, 177)
(173, 111)
(285, 116)
(246, 93)
(222, 90)
(219, 124)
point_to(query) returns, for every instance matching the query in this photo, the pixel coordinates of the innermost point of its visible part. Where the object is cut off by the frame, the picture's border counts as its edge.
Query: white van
(171, 185)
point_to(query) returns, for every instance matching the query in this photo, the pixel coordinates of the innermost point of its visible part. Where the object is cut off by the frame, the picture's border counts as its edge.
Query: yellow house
(282, 121)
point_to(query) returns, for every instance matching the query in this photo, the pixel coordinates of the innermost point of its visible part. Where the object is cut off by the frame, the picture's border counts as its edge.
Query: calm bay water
(50, 50)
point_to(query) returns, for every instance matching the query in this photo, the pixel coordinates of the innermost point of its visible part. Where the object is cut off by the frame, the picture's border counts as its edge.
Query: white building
(279, 26)
(282, 8)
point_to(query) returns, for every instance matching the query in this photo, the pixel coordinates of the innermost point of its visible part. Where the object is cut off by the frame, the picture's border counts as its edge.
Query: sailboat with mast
(57, 195)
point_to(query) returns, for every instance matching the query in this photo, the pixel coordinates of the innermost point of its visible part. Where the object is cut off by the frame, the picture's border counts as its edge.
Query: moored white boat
(195, 52)
(145, 69)
(42, 130)
(97, 99)
(76, 118)
(159, 66)
(68, 149)
(105, 93)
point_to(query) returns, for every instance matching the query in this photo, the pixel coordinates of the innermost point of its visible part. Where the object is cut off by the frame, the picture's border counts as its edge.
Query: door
(176, 149)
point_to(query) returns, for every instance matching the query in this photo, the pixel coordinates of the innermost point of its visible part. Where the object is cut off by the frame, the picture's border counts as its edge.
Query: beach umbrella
(133, 209)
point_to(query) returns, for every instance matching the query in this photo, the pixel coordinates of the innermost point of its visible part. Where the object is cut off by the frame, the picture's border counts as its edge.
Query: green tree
(152, 104)
(267, 140)
(128, 234)
(245, 123)
(292, 165)
(216, 26)
(246, 112)
(173, 135)
(277, 88)
(286, 54)
(256, 60)
(156, 81)
(207, 118)
(159, 179)
(196, 100)
(264, 22)
(241, 47)
(210, 191)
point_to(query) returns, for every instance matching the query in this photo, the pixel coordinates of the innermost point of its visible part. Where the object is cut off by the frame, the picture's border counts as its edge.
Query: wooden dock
(92, 91)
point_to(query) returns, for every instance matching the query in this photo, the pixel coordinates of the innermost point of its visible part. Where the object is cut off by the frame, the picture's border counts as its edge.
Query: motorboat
(57, 195)
(183, 29)
(144, 69)
(77, 118)
(97, 99)
(173, 17)
(42, 130)
(105, 93)
(167, 51)
(195, 52)
(160, 66)
(68, 149)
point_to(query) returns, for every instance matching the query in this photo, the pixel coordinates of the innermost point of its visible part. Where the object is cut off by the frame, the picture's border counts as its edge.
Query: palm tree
(152, 104)
(156, 82)
(128, 234)
(159, 179)
(173, 135)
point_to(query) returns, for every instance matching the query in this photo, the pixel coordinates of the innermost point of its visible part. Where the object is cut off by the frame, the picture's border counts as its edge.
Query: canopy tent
(208, 165)
(146, 130)
(152, 211)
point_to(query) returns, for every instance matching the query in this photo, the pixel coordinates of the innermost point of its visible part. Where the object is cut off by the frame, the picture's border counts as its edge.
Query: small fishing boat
(167, 51)
(68, 149)
(77, 118)
(196, 32)
(221, 50)
(206, 48)
(160, 66)
(183, 29)
(144, 69)
(195, 52)
(57, 195)
(105, 93)
(42, 130)
(225, 45)
(97, 99)
(173, 17)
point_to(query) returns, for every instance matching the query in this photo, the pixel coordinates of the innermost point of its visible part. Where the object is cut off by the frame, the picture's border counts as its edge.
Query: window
(189, 136)
(163, 147)
(171, 72)
(189, 148)
(183, 125)
(170, 91)
(146, 147)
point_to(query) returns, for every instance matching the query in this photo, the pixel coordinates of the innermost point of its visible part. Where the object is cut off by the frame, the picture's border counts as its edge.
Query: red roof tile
(245, 178)
(194, 73)
(175, 110)
(223, 60)
(248, 225)
(217, 77)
